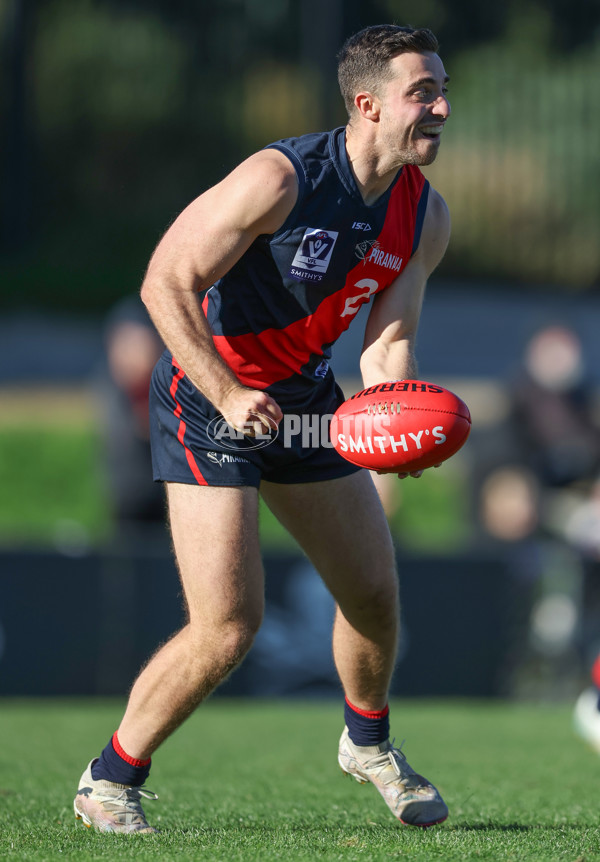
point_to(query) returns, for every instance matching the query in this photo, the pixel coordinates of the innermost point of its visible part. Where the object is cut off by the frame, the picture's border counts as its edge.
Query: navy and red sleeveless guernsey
(277, 312)
(275, 316)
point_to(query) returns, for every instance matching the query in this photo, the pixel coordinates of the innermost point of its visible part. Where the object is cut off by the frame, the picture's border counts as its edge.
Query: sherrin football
(402, 426)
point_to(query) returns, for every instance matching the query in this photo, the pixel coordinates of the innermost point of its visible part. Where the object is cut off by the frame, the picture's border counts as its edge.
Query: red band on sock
(369, 713)
(596, 672)
(123, 754)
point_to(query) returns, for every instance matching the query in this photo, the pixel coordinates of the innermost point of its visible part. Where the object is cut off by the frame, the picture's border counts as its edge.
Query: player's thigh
(215, 537)
(342, 527)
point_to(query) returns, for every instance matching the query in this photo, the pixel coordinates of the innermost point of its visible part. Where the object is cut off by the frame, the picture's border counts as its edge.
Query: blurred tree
(137, 105)
(524, 189)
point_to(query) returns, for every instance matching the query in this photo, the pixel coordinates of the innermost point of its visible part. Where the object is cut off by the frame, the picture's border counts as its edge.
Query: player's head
(364, 60)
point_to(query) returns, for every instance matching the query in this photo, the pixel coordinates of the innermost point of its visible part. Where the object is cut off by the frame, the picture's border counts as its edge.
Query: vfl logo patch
(313, 254)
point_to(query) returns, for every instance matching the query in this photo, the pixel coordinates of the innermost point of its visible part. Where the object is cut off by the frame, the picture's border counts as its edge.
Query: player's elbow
(152, 288)
(148, 292)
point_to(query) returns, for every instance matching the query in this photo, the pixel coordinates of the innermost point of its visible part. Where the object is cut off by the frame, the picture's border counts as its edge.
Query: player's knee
(376, 604)
(227, 640)
(236, 638)
(384, 605)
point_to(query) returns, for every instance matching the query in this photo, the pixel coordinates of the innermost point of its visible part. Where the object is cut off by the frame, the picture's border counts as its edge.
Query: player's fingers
(252, 425)
(261, 424)
(254, 413)
(273, 413)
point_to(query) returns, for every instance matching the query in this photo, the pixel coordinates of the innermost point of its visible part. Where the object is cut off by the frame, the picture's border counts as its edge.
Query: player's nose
(441, 107)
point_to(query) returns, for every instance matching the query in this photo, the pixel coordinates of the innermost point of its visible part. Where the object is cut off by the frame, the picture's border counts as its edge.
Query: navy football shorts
(192, 443)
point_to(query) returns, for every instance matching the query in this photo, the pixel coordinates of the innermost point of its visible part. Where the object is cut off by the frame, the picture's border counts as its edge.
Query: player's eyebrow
(427, 80)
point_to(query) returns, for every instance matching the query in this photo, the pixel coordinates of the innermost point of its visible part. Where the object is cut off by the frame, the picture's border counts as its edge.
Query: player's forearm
(388, 361)
(181, 323)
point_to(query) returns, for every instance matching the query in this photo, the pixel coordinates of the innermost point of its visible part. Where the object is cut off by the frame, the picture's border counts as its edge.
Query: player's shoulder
(435, 234)
(438, 214)
(261, 191)
(436, 226)
(270, 167)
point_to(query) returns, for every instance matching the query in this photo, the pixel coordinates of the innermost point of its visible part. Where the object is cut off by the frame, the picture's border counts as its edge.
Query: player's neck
(372, 173)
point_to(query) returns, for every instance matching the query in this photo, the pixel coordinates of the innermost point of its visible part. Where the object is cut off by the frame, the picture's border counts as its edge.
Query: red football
(401, 426)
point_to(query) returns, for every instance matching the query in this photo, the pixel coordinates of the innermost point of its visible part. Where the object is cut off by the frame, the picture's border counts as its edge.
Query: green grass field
(52, 481)
(256, 780)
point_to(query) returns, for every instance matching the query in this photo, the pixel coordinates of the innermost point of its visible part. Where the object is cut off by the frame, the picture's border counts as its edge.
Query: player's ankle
(114, 764)
(367, 727)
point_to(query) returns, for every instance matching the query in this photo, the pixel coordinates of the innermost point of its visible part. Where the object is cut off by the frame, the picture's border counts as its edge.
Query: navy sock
(117, 766)
(367, 727)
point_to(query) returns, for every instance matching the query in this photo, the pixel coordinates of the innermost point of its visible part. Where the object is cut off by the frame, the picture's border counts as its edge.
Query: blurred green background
(117, 113)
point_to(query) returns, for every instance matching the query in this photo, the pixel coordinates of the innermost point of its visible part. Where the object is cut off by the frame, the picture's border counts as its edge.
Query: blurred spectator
(122, 388)
(509, 505)
(550, 442)
(560, 436)
(535, 500)
(553, 410)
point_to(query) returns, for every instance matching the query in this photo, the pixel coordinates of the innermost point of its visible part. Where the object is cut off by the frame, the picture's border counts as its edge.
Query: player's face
(414, 108)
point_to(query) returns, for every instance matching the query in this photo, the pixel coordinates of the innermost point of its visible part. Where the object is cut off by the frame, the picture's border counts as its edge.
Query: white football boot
(110, 807)
(409, 796)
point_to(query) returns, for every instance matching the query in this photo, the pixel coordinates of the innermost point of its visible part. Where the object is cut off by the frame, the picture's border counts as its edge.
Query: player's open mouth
(432, 133)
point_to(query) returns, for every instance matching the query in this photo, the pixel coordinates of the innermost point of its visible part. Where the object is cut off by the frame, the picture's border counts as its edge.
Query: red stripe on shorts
(182, 426)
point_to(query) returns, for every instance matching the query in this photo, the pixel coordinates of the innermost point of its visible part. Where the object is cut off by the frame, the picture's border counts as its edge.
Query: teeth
(432, 130)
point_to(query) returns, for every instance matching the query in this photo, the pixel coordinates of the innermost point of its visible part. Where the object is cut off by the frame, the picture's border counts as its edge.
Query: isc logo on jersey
(313, 254)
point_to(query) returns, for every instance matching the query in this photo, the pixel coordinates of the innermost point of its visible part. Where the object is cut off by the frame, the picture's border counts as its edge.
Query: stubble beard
(412, 156)
(406, 152)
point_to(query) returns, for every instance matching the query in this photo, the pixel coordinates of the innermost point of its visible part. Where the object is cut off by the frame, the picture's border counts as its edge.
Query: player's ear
(367, 105)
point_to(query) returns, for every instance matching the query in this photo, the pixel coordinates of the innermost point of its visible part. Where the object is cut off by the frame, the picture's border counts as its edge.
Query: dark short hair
(364, 60)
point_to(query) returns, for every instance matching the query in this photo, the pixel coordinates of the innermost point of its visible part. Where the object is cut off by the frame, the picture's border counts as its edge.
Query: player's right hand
(251, 411)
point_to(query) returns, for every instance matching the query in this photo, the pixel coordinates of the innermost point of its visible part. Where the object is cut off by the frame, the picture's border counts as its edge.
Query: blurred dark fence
(84, 625)
(118, 112)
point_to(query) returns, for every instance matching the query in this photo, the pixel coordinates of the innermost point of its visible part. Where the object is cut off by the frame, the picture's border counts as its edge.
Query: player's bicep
(215, 230)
